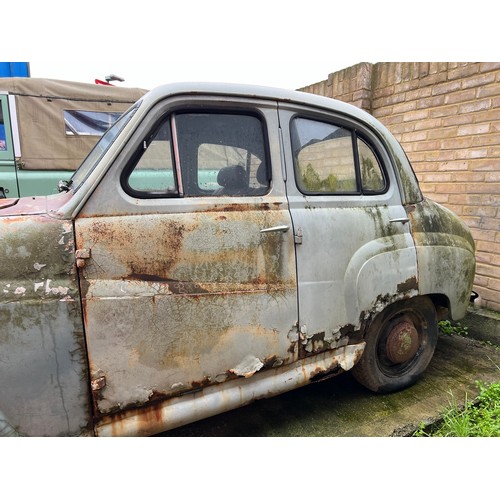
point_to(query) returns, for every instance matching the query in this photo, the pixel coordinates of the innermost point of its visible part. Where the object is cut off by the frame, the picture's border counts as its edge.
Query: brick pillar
(352, 85)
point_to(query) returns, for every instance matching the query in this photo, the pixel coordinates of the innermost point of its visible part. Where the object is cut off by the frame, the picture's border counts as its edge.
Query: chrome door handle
(275, 229)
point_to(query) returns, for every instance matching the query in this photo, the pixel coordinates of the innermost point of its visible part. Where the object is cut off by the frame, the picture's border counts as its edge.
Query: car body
(221, 244)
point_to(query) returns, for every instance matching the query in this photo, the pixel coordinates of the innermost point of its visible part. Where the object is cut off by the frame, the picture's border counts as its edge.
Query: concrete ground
(341, 407)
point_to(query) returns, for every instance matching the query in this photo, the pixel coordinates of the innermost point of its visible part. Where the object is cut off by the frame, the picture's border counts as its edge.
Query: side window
(372, 175)
(4, 124)
(332, 159)
(217, 160)
(81, 122)
(222, 154)
(153, 174)
(216, 154)
(324, 157)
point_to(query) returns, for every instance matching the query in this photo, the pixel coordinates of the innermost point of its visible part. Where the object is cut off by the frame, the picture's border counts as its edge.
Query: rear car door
(187, 262)
(355, 253)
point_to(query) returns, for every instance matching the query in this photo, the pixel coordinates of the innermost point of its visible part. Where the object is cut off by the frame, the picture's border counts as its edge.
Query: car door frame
(335, 307)
(126, 416)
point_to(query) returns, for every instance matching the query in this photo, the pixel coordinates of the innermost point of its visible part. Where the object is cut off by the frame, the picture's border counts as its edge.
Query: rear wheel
(399, 345)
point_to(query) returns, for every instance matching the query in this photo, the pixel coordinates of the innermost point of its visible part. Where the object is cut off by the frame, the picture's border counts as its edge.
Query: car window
(3, 138)
(324, 158)
(82, 122)
(217, 154)
(332, 159)
(222, 154)
(102, 146)
(154, 171)
(6, 150)
(372, 175)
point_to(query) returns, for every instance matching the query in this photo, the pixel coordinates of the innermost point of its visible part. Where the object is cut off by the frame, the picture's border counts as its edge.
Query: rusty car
(221, 244)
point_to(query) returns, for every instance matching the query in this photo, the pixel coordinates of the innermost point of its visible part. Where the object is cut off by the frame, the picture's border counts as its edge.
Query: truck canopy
(60, 121)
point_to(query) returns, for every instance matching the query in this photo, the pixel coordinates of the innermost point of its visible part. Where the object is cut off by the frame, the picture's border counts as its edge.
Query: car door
(354, 250)
(187, 262)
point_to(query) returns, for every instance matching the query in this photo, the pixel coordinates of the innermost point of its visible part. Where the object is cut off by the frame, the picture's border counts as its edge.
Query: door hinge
(98, 383)
(298, 236)
(81, 256)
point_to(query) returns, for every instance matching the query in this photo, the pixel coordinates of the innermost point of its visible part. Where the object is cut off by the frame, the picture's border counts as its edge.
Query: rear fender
(445, 255)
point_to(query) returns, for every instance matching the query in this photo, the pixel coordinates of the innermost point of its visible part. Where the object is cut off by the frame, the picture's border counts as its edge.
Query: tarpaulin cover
(40, 107)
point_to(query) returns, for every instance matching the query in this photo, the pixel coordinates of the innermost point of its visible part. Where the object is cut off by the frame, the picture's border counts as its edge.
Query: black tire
(399, 345)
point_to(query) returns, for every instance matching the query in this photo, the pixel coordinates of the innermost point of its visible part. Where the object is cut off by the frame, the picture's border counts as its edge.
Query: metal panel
(445, 251)
(356, 253)
(175, 302)
(43, 366)
(175, 412)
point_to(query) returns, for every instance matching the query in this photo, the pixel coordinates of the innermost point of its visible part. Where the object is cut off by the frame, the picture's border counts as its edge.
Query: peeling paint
(445, 253)
(184, 298)
(59, 290)
(248, 366)
(43, 362)
(173, 412)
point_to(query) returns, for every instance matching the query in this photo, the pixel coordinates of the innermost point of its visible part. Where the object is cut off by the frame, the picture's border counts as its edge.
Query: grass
(477, 418)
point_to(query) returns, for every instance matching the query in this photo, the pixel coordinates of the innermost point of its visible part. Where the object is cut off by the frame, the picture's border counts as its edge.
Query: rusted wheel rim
(402, 341)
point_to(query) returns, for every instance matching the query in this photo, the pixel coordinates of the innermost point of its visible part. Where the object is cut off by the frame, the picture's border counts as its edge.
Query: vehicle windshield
(98, 151)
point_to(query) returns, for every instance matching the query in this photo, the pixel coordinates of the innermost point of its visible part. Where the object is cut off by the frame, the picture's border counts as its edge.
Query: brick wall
(447, 118)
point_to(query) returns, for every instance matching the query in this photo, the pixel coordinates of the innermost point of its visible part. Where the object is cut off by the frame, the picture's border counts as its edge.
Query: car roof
(261, 92)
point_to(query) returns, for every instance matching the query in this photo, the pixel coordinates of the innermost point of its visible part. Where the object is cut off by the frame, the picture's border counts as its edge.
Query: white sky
(264, 42)
(150, 74)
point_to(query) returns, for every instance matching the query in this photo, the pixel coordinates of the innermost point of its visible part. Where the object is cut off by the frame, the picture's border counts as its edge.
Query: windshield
(100, 149)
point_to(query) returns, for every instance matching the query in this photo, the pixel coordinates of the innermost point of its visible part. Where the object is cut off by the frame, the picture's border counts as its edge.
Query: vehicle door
(354, 249)
(187, 265)
(8, 178)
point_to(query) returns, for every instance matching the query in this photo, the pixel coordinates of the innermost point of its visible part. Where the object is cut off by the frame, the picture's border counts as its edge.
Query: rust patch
(201, 383)
(174, 286)
(409, 285)
(272, 362)
(321, 374)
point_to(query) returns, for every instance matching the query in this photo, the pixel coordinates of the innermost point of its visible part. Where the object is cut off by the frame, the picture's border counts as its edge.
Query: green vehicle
(48, 127)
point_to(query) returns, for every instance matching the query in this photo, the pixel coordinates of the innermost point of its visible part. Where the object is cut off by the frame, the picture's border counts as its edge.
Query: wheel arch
(400, 342)
(380, 273)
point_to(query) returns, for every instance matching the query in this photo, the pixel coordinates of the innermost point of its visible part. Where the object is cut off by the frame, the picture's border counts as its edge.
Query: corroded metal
(445, 254)
(43, 362)
(175, 302)
(402, 341)
(211, 400)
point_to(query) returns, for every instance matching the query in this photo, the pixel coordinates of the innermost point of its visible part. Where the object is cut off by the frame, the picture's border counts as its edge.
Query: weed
(449, 328)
